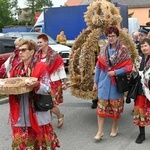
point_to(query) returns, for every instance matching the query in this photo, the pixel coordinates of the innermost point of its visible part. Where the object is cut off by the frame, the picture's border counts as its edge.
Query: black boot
(141, 136)
(94, 105)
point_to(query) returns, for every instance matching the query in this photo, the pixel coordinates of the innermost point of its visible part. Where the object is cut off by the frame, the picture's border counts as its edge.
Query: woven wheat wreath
(100, 15)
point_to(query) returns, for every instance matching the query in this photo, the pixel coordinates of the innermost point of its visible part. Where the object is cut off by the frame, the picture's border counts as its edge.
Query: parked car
(63, 50)
(6, 48)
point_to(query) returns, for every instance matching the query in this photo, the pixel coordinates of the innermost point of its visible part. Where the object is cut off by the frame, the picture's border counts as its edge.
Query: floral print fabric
(110, 108)
(141, 111)
(28, 139)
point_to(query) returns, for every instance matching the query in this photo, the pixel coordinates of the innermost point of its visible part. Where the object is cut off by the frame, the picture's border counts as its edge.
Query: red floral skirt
(56, 92)
(110, 108)
(141, 111)
(28, 139)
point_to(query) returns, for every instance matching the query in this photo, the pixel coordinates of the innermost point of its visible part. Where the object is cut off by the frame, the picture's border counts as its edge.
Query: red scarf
(53, 60)
(14, 58)
(120, 60)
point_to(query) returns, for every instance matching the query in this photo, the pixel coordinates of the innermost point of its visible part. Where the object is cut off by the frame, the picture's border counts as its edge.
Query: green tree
(14, 7)
(6, 17)
(34, 6)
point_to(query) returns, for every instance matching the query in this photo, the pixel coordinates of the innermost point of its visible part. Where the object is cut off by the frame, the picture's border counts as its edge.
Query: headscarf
(53, 60)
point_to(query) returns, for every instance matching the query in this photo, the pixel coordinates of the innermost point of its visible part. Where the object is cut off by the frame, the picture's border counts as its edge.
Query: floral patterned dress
(142, 102)
(31, 129)
(111, 102)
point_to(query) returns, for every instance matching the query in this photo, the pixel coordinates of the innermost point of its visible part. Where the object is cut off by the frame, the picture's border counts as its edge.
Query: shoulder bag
(43, 103)
(134, 89)
(122, 83)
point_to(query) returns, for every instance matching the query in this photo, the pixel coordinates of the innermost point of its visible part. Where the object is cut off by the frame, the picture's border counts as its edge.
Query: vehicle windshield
(34, 38)
(29, 36)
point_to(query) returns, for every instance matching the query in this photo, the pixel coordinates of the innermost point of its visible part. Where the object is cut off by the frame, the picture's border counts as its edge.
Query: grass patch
(3, 96)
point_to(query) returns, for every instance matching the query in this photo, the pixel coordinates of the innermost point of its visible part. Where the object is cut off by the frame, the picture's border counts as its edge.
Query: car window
(8, 45)
(51, 41)
(1, 47)
(34, 38)
(29, 35)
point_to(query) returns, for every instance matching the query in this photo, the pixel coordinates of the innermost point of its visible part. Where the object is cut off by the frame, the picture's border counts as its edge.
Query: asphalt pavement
(80, 126)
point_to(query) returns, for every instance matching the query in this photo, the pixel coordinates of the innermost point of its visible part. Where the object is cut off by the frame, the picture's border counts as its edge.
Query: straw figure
(99, 16)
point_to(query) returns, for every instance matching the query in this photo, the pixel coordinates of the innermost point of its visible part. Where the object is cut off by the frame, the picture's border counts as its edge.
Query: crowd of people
(32, 129)
(114, 60)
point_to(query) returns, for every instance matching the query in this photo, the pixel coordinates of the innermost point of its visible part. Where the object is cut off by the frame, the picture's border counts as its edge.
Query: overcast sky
(56, 3)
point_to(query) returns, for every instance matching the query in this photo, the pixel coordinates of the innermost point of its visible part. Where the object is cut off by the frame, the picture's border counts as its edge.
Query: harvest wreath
(100, 15)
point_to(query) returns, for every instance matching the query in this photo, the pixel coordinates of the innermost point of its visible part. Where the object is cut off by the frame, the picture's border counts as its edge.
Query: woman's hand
(64, 86)
(32, 84)
(95, 87)
(111, 73)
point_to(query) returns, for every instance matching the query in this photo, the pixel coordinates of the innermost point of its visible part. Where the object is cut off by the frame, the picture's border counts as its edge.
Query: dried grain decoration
(99, 16)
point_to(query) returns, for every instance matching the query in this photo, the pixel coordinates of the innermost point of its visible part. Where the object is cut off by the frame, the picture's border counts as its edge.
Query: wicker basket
(15, 85)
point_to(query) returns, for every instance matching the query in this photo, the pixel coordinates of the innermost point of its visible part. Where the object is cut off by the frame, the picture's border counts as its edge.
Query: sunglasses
(22, 49)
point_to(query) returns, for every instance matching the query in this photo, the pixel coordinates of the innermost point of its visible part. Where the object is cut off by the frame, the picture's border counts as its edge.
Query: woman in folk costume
(56, 72)
(114, 59)
(12, 61)
(31, 129)
(142, 101)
